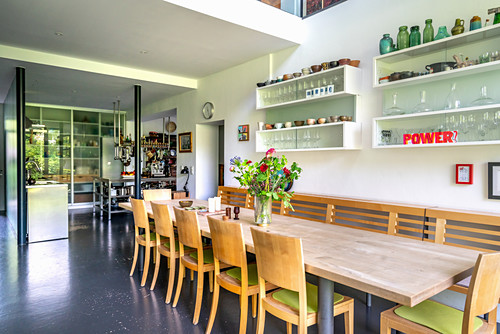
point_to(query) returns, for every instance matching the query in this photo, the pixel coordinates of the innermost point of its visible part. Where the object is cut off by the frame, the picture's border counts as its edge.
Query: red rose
(249, 162)
(263, 168)
(286, 171)
(270, 152)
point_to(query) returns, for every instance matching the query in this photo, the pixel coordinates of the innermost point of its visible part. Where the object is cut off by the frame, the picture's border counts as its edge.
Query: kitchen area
(82, 158)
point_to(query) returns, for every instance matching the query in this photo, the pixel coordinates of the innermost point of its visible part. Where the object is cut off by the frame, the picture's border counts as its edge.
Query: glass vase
(428, 31)
(385, 45)
(442, 33)
(263, 208)
(403, 38)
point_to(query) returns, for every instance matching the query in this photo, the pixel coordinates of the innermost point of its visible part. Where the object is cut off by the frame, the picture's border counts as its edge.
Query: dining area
(403, 270)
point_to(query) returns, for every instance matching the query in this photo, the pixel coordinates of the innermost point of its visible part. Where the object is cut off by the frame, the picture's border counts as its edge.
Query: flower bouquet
(266, 180)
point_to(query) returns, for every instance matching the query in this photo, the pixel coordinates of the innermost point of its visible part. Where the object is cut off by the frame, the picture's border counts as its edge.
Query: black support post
(137, 146)
(22, 223)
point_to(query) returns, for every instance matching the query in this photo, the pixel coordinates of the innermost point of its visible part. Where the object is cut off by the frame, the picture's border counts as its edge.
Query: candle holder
(236, 212)
(228, 212)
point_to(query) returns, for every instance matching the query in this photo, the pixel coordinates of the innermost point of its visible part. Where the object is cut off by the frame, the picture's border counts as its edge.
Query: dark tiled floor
(81, 285)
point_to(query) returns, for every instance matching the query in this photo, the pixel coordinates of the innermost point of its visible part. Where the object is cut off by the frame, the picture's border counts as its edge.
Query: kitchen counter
(47, 211)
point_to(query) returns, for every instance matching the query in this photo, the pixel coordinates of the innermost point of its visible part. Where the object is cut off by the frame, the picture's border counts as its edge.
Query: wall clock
(208, 110)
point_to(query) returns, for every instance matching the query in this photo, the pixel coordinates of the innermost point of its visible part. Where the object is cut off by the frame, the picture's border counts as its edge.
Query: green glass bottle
(428, 31)
(415, 36)
(403, 38)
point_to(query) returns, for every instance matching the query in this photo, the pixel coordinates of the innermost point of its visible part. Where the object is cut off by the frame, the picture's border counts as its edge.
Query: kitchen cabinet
(289, 99)
(473, 120)
(65, 143)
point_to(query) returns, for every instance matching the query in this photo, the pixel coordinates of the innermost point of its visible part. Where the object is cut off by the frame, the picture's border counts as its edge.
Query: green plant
(268, 177)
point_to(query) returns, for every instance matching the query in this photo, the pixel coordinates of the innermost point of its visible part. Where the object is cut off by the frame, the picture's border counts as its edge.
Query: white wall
(352, 29)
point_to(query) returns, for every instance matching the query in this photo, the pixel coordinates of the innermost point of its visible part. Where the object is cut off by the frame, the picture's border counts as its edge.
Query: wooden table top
(399, 269)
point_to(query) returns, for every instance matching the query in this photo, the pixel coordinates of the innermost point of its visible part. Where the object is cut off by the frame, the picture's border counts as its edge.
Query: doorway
(209, 150)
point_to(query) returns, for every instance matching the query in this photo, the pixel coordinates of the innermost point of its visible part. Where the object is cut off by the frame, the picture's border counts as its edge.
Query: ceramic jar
(458, 28)
(403, 38)
(428, 31)
(385, 45)
(415, 36)
(475, 23)
(442, 33)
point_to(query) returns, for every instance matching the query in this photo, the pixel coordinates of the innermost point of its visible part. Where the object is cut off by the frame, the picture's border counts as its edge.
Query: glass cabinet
(65, 143)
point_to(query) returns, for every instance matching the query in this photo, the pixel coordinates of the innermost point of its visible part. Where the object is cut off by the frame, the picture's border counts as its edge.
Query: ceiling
(146, 35)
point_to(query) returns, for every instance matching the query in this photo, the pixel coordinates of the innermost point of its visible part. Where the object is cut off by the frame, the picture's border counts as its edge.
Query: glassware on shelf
(442, 33)
(394, 109)
(385, 44)
(483, 99)
(428, 31)
(414, 36)
(423, 106)
(403, 38)
(452, 101)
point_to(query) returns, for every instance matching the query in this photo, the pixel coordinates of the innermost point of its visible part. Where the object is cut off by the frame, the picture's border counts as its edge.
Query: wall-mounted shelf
(471, 44)
(479, 125)
(346, 81)
(322, 137)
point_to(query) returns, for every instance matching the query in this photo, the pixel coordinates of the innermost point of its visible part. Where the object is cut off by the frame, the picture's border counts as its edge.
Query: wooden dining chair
(229, 248)
(166, 245)
(280, 262)
(148, 239)
(157, 194)
(201, 260)
(433, 317)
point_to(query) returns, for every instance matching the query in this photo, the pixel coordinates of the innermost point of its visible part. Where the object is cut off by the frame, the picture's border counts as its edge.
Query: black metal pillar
(22, 225)
(137, 135)
(137, 160)
(325, 306)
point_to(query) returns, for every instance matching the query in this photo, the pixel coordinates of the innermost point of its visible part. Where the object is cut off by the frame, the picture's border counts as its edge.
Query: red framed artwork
(464, 173)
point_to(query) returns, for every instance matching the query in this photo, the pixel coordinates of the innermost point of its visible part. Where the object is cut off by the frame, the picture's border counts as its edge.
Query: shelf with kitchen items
(320, 137)
(333, 83)
(160, 156)
(476, 125)
(439, 60)
(108, 193)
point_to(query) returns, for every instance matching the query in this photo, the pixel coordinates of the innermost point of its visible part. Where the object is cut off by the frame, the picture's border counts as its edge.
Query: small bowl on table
(316, 68)
(321, 120)
(311, 121)
(298, 123)
(185, 204)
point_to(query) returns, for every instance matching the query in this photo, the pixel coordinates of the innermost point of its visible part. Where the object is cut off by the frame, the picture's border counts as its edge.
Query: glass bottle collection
(414, 38)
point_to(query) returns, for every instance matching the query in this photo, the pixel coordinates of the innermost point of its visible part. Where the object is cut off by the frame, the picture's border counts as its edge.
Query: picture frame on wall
(243, 132)
(185, 142)
(493, 180)
(464, 173)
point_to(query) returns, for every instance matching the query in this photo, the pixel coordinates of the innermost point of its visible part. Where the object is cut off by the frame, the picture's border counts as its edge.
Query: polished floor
(81, 285)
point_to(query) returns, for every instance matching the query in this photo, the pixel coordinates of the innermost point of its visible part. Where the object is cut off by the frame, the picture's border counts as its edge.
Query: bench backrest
(466, 229)
(235, 196)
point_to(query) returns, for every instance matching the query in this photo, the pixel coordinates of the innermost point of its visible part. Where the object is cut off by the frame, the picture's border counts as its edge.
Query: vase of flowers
(266, 180)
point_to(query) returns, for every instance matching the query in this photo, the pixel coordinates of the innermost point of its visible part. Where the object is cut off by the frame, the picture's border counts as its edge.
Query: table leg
(325, 306)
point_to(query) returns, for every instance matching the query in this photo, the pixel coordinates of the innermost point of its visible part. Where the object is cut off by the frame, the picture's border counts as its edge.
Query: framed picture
(185, 142)
(464, 173)
(243, 131)
(494, 180)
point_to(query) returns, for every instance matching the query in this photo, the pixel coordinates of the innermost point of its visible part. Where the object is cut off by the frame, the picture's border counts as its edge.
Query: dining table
(399, 269)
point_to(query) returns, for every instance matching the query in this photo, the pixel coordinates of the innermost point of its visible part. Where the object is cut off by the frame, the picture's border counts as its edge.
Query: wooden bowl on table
(185, 204)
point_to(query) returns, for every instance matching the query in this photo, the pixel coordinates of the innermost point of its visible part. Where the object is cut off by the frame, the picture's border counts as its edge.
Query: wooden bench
(465, 229)
(235, 196)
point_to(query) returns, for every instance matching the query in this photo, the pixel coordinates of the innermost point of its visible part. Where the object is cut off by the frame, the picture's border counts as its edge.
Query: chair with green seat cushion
(229, 249)
(280, 261)
(208, 256)
(189, 234)
(291, 298)
(432, 317)
(148, 239)
(163, 237)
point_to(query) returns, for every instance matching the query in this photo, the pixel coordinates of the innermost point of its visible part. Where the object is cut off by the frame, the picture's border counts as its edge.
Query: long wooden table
(402, 270)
